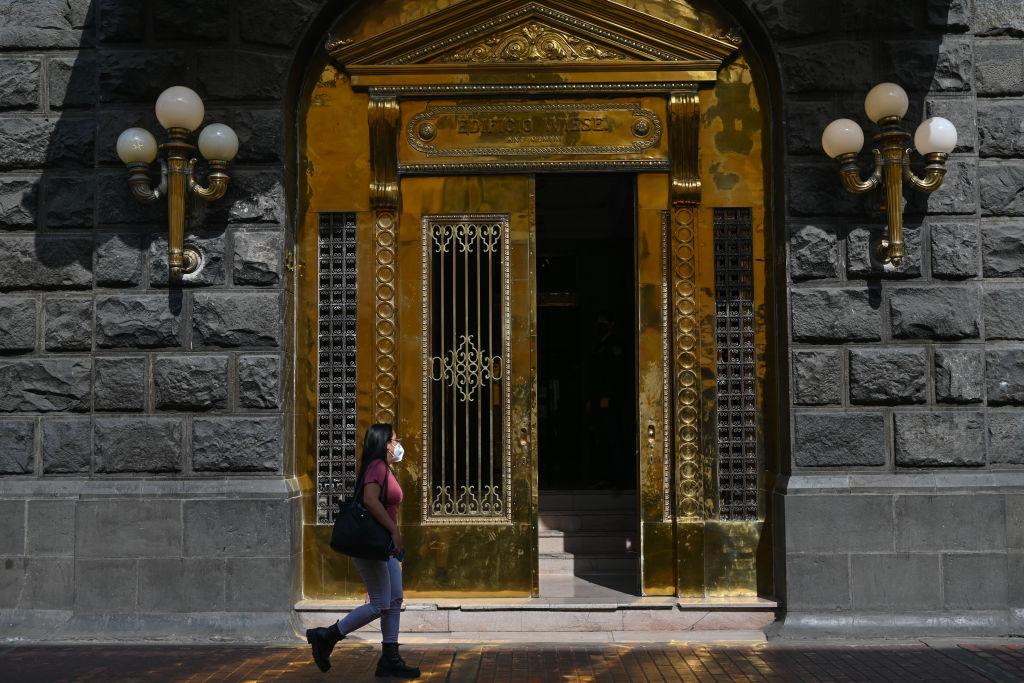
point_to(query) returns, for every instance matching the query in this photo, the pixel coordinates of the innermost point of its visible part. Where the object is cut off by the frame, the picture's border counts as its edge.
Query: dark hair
(375, 446)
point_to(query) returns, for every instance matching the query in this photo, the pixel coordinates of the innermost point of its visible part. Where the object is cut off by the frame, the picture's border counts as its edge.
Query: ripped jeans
(384, 586)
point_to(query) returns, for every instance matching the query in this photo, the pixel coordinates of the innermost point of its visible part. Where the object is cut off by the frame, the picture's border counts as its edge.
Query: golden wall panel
(658, 571)
(690, 577)
(730, 551)
(732, 172)
(654, 390)
(334, 176)
(684, 549)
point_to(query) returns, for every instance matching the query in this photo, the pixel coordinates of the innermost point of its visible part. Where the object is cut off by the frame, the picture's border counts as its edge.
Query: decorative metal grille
(737, 379)
(336, 386)
(466, 394)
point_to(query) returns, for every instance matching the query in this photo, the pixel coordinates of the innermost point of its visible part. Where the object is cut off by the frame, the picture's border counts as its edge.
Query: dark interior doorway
(586, 354)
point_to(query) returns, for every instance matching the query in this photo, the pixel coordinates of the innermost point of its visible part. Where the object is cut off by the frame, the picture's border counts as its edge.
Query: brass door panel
(654, 400)
(470, 521)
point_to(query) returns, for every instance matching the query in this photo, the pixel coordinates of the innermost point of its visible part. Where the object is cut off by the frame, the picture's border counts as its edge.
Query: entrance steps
(587, 544)
(649, 619)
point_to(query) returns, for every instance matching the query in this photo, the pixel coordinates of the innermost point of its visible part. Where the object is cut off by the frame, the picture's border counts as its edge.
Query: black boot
(323, 640)
(391, 664)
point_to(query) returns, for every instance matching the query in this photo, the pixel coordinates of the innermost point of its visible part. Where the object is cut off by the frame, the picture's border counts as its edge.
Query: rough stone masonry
(144, 465)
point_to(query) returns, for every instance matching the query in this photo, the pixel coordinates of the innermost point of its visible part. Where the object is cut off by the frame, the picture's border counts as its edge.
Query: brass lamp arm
(139, 182)
(934, 172)
(850, 174)
(217, 180)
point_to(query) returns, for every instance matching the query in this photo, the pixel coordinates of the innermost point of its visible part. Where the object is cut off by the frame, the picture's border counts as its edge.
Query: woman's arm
(371, 501)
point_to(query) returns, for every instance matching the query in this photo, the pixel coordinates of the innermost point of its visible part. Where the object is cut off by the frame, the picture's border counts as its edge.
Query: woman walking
(381, 497)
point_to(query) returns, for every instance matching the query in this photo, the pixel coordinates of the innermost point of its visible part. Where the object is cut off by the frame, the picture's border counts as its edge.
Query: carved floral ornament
(532, 42)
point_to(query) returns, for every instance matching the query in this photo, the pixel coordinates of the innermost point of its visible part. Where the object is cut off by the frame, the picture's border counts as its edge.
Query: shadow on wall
(830, 60)
(47, 150)
(90, 232)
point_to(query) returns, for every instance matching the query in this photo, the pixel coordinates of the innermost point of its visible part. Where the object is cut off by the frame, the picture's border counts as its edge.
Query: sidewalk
(905, 661)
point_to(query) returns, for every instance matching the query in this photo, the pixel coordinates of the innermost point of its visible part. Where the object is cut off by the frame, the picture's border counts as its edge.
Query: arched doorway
(435, 145)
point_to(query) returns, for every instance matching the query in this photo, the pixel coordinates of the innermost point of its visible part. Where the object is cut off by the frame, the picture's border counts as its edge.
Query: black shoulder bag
(357, 533)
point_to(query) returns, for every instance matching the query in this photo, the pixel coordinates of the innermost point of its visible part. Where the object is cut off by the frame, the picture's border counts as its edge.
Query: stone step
(526, 615)
(566, 501)
(586, 521)
(583, 542)
(605, 588)
(568, 563)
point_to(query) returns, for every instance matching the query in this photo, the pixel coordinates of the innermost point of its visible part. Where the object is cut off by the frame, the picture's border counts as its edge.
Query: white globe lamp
(842, 136)
(136, 145)
(886, 100)
(218, 142)
(180, 107)
(935, 135)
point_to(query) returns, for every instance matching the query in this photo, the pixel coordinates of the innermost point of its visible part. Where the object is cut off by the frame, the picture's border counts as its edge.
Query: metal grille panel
(466, 391)
(737, 377)
(336, 385)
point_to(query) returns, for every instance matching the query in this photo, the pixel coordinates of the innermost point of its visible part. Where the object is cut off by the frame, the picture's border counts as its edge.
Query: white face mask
(398, 453)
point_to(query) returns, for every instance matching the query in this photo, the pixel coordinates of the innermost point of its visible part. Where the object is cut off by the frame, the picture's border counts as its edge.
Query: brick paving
(999, 661)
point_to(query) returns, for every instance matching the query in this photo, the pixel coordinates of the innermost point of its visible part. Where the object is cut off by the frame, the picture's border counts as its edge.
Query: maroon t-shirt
(375, 474)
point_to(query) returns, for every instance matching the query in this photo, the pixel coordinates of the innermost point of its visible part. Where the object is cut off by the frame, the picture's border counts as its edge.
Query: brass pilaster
(684, 198)
(689, 478)
(684, 122)
(384, 199)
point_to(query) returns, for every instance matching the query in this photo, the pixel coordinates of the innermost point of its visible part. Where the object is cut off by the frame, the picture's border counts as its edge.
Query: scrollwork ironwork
(466, 290)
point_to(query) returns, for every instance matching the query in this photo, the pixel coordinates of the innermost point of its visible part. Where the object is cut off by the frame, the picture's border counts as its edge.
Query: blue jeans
(384, 586)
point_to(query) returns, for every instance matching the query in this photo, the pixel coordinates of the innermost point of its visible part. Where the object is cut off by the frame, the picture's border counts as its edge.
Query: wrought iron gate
(466, 398)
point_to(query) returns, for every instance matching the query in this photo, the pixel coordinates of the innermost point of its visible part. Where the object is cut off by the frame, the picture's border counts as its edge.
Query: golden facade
(427, 128)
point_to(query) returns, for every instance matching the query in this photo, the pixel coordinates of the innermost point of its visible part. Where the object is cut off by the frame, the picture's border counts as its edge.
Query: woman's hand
(396, 538)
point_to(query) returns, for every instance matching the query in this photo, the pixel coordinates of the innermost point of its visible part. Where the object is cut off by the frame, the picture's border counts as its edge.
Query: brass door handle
(523, 439)
(651, 433)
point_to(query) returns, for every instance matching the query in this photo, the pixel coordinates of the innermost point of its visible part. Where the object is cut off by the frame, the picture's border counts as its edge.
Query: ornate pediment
(602, 38)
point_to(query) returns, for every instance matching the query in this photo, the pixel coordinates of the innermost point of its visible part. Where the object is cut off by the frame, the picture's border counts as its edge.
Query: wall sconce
(180, 111)
(886, 104)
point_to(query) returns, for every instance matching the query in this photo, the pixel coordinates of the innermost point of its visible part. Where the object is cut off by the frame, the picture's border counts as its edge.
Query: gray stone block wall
(942, 333)
(142, 442)
(906, 388)
(88, 325)
(133, 559)
(926, 553)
